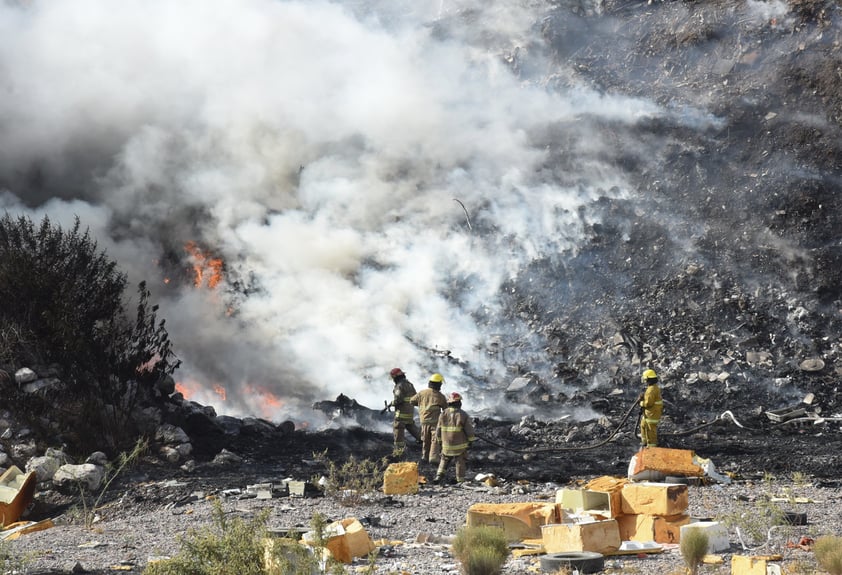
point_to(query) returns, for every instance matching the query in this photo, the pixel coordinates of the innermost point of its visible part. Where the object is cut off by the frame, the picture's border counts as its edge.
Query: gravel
(146, 517)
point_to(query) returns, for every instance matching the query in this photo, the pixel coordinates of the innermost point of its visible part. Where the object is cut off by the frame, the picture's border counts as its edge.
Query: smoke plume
(319, 150)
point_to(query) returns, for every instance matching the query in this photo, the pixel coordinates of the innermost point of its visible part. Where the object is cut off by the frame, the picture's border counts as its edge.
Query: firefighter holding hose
(430, 402)
(402, 393)
(652, 406)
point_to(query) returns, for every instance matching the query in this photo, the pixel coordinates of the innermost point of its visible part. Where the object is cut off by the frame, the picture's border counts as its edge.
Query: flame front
(206, 270)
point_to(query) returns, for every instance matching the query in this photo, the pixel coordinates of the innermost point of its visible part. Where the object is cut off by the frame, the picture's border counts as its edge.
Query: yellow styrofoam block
(607, 483)
(518, 520)
(599, 536)
(667, 461)
(657, 528)
(346, 539)
(745, 565)
(655, 498)
(401, 478)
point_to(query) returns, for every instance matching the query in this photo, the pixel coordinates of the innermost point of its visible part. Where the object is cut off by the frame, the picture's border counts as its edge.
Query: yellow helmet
(648, 375)
(437, 378)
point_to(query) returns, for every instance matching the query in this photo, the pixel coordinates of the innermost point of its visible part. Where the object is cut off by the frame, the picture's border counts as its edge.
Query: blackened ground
(557, 451)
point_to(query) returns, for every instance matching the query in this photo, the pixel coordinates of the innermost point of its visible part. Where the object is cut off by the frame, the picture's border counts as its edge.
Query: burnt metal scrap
(346, 410)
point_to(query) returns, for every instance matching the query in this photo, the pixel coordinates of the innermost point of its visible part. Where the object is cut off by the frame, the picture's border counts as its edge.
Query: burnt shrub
(64, 306)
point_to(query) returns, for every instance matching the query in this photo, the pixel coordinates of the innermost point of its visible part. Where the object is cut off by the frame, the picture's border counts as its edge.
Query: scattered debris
(16, 492)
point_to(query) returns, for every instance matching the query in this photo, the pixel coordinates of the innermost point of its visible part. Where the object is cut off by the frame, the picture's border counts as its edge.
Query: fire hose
(727, 415)
(578, 448)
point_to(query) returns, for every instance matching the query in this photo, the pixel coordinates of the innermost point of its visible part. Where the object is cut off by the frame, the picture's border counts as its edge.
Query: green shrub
(482, 561)
(694, 547)
(828, 552)
(63, 306)
(227, 547)
(481, 550)
(236, 547)
(353, 481)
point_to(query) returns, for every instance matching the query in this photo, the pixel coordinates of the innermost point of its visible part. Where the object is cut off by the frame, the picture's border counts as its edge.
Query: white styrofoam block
(717, 534)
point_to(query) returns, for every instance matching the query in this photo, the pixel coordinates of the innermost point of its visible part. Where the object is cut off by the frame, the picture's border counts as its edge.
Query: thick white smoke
(317, 148)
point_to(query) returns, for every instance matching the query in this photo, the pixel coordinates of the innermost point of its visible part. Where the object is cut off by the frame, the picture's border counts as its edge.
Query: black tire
(584, 561)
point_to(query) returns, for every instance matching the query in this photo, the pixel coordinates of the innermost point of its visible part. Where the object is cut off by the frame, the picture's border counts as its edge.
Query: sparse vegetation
(481, 550)
(227, 547)
(237, 547)
(353, 481)
(123, 461)
(694, 547)
(828, 551)
(754, 523)
(63, 306)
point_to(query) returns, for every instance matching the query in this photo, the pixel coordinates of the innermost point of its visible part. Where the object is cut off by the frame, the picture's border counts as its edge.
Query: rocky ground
(151, 505)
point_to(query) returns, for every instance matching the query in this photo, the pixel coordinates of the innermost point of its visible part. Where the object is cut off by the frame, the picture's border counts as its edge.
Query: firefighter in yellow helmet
(652, 406)
(430, 402)
(404, 410)
(454, 433)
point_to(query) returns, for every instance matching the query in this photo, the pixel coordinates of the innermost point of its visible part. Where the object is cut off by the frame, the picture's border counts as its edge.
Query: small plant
(754, 524)
(481, 550)
(354, 481)
(236, 547)
(828, 552)
(694, 547)
(800, 479)
(319, 543)
(226, 547)
(124, 461)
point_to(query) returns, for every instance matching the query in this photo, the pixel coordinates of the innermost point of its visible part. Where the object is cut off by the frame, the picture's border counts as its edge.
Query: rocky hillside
(722, 269)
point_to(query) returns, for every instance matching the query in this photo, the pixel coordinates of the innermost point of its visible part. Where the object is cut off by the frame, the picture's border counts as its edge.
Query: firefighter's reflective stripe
(455, 449)
(651, 420)
(403, 416)
(454, 431)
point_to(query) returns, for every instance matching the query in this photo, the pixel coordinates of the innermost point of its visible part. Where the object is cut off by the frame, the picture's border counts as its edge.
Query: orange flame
(269, 403)
(187, 388)
(206, 270)
(191, 387)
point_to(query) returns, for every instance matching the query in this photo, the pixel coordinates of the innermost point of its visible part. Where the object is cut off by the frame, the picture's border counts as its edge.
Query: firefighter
(430, 402)
(652, 406)
(454, 434)
(404, 410)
